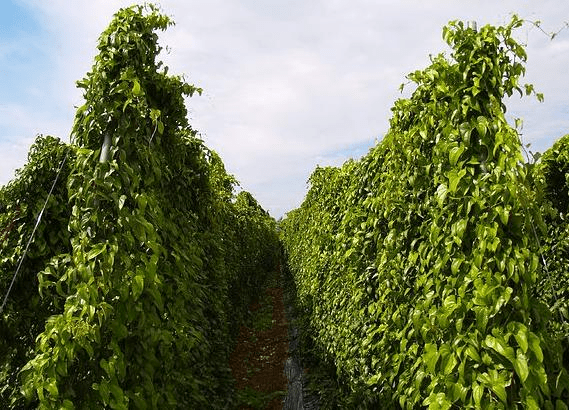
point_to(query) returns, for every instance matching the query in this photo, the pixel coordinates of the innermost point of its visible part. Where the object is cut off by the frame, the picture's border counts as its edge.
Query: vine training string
(32, 235)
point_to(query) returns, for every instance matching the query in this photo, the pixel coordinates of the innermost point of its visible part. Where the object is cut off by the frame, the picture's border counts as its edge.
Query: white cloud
(17, 149)
(290, 84)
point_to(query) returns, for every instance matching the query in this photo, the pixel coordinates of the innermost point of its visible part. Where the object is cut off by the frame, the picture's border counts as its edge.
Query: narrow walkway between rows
(257, 362)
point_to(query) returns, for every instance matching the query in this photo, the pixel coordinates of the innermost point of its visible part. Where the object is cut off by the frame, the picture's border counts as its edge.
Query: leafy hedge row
(21, 201)
(417, 266)
(142, 267)
(551, 182)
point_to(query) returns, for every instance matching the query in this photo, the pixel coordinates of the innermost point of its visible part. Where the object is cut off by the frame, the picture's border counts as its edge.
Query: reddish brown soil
(259, 357)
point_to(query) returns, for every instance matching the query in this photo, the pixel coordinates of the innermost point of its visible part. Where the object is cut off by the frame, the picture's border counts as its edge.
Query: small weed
(262, 318)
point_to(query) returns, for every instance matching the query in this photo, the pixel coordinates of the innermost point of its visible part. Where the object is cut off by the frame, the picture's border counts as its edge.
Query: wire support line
(32, 235)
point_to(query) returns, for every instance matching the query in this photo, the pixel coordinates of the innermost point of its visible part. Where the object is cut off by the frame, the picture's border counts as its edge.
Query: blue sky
(288, 84)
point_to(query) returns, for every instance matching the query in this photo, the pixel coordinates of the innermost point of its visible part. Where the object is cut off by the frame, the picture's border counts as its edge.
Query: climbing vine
(417, 265)
(145, 287)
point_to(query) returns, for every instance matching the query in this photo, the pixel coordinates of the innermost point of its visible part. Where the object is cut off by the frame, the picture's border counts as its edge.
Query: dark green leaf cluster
(551, 175)
(135, 301)
(417, 265)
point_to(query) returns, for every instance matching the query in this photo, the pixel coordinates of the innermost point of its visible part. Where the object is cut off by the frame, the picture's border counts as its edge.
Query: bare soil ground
(257, 362)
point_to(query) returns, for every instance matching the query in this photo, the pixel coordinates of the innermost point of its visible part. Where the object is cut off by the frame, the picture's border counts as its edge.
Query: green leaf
(136, 88)
(96, 251)
(477, 393)
(122, 199)
(482, 126)
(455, 154)
(373, 379)
(454, 179)
(441, 194)
(500, 390)
(105, 366)
(104, 391)
(455, 265)
(500, 346)
(137, 285)
(531, 403)
(522, 338)
(437, 401)
(459, 392)
(430, 357)
(117, 392)
(51, 387)
(496, 381)
(521, 366)
(503, 214)
(473, 353)
(449, 363)
(67, 405)
(535, 346)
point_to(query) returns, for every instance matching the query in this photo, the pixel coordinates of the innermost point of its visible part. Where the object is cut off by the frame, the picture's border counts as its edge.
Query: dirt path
(257, 362)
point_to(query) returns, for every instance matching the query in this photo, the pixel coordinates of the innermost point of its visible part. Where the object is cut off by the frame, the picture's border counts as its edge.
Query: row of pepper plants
(142, 267)
(432, 272)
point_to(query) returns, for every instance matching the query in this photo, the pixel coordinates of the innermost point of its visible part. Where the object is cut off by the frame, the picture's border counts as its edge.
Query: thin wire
(32, 235)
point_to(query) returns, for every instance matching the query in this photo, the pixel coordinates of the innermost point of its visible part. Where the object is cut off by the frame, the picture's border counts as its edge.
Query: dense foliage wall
(21, 201)
(551, 182)
(143, 265)
(417, 266)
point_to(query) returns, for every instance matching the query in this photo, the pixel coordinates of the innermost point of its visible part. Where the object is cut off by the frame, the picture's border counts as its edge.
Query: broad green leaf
(67, 405)
(430, 356)
(521, 337)
(482, 126)
(521, 366)
(51, 387)
(455, 265)
(122, 199)
(500, 389)
(136, 88)
(455, 153)
(104, 391)
(137, 285)
(449, 363)
(535, 346)
(373, 379)
(503, 214)
(96, 251)
(477, 393)
(531, 403)
(459, 393)
(473, 353)
(454, 179)
(441, 194)
(117, 392)
(500, 346)
(437, 401)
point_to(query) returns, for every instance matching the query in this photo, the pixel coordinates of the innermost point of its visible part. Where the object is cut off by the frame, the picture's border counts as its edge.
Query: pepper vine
(148, 282)
(417, 265)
